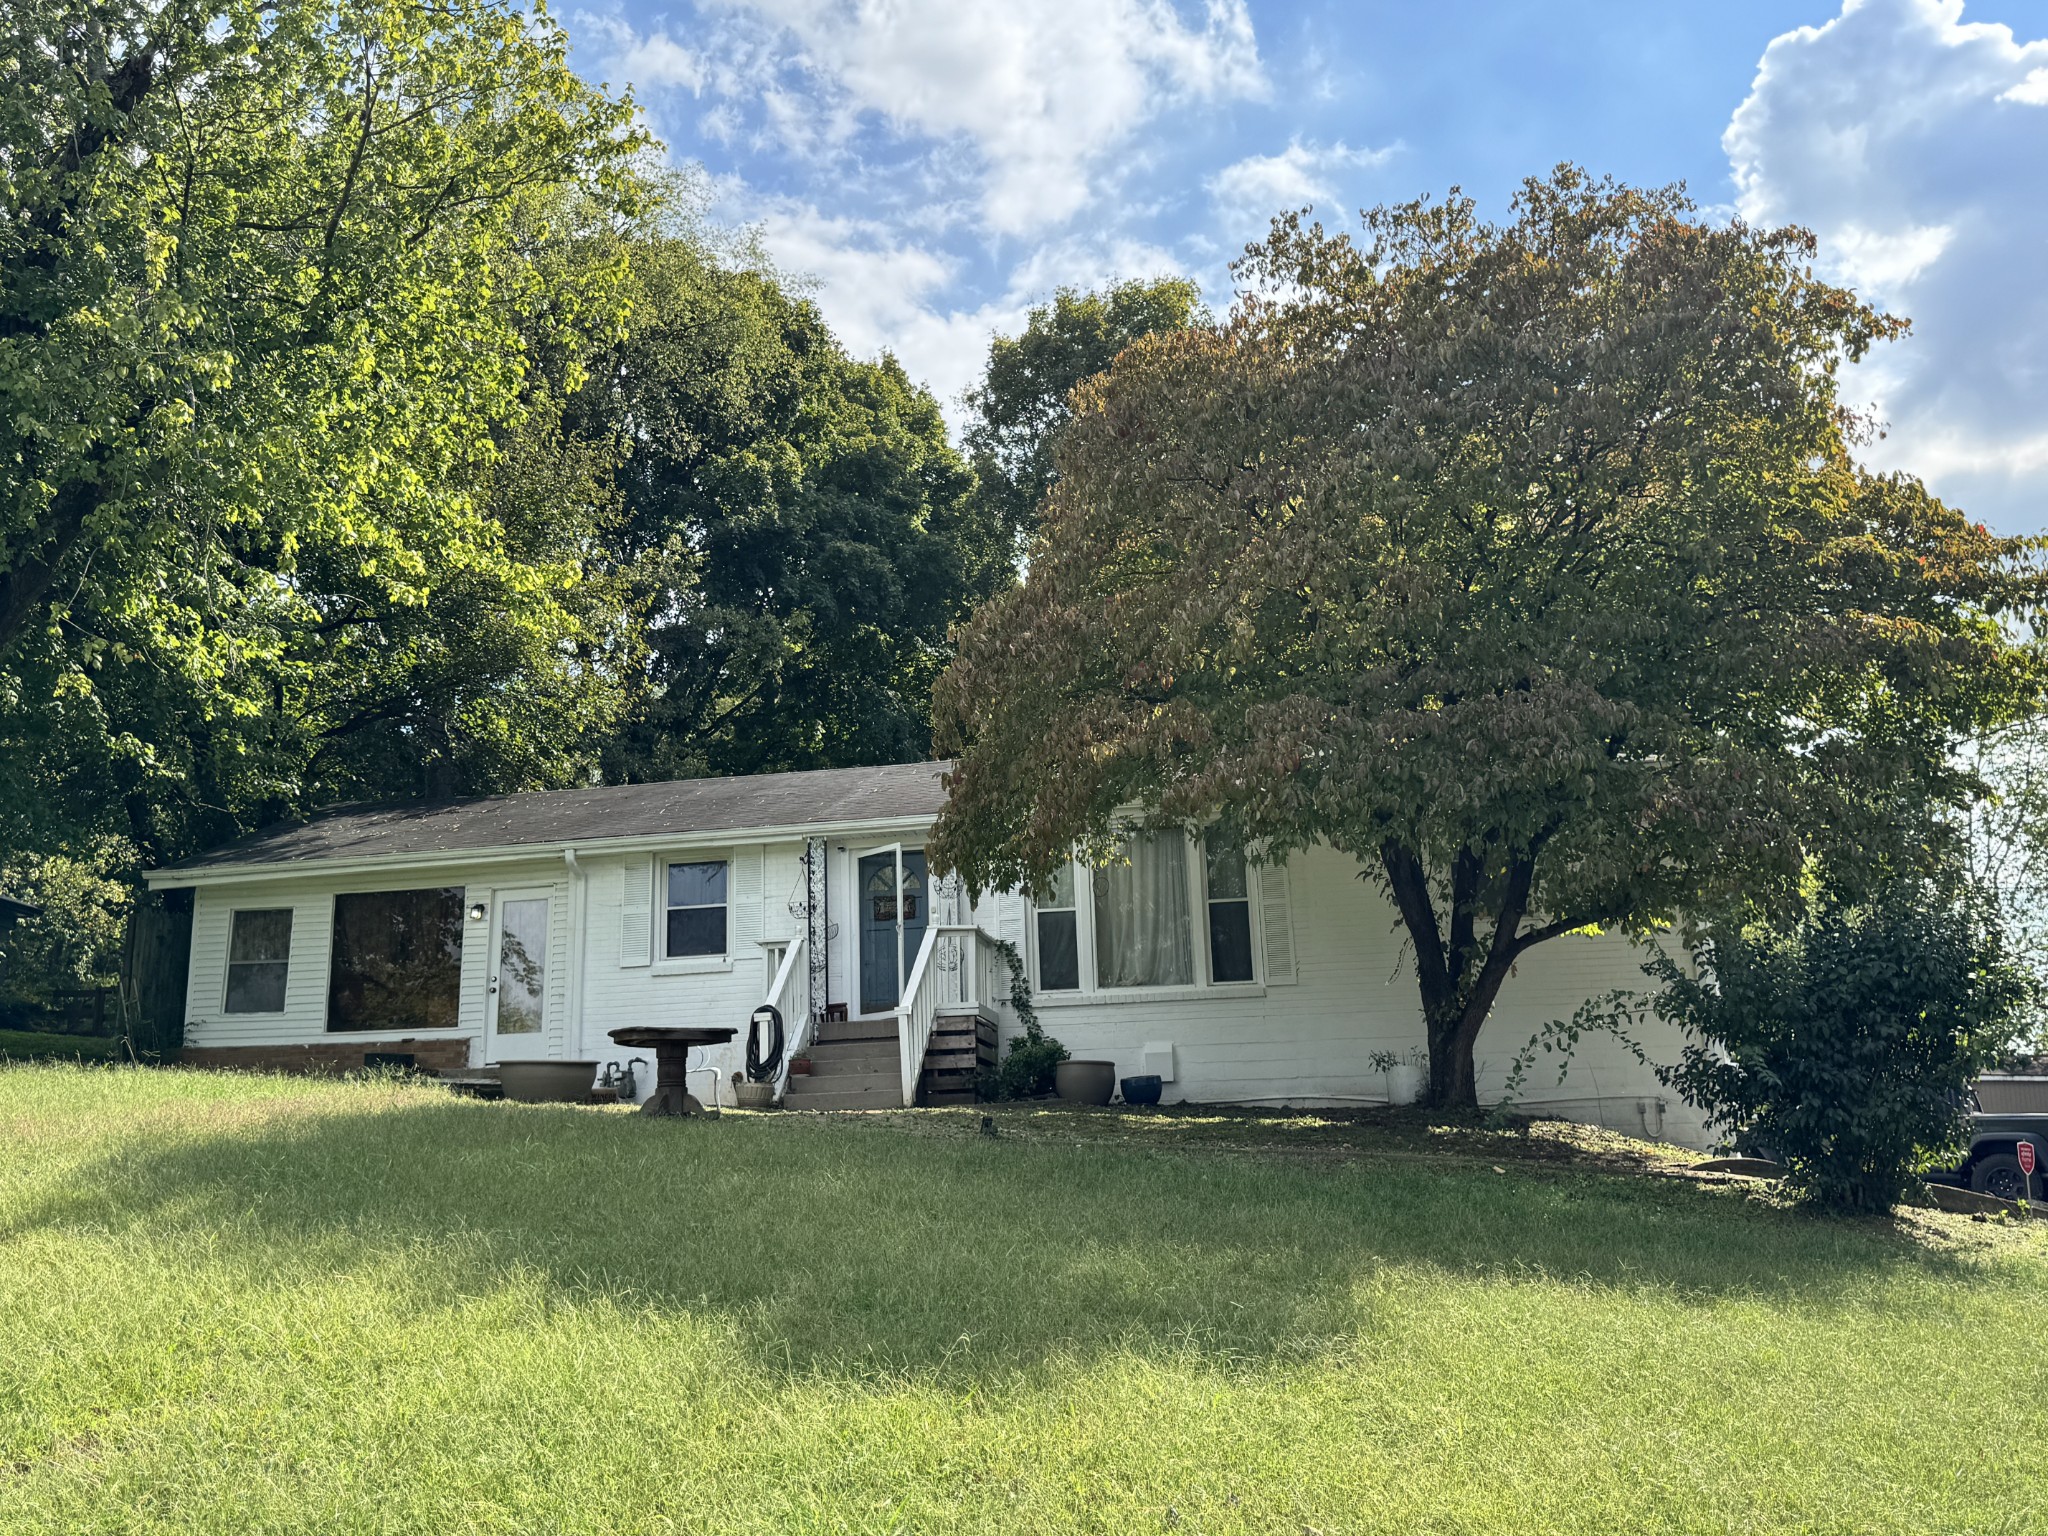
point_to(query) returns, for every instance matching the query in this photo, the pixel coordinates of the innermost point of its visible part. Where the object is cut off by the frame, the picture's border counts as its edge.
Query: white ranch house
(527, 926)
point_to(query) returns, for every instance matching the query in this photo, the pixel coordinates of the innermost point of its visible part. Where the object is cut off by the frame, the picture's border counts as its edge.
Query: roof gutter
(392, 863)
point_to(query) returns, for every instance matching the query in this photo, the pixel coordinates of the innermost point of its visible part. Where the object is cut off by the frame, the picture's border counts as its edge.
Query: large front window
(397, 960)
(1165, 912)
(1141, 915)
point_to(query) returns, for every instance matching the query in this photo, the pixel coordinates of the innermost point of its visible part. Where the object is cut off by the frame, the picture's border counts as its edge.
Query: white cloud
(926, 164)
(1248, 194)
(881, 292)
(660, 60)
(652, 61)
(1045, 91)
(1915, 145)
(1886, 261)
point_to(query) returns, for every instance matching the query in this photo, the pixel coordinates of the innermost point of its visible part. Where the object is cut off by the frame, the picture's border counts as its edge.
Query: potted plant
(1031, 1069)
(800, 1065)
(1403, 1075)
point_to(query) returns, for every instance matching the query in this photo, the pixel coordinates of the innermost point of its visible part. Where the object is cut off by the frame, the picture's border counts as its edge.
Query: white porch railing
(790, 995)
(954, 970)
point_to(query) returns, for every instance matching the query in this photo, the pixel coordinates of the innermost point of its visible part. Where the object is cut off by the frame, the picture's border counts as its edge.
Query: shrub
(1027, 1068)
(1847, 1044)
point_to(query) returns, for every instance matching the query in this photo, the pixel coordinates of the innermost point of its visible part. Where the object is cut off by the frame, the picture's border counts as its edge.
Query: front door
(515, 1012)
(892, 923)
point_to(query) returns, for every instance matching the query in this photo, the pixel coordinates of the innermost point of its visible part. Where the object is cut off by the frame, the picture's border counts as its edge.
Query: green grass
(36, 1045)
(243, 1304)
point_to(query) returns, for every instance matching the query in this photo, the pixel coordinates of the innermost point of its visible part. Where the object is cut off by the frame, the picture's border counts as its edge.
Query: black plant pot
(1143, 1090)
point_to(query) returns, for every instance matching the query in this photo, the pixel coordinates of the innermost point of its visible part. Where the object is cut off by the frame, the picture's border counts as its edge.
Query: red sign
(2026, 1151)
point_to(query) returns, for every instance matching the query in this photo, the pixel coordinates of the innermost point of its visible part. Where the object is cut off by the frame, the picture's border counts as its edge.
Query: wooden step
(869, 1074)
(860, 1063)
(846, 1093)
(833, 1031)
(876, 1046)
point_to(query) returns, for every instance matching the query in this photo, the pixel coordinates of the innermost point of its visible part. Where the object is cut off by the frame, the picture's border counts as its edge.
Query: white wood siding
(1301, 1042)
(1354, 993)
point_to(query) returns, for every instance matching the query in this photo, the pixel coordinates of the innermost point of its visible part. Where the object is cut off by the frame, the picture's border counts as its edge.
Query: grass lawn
(35, 1045)
(242, 1304)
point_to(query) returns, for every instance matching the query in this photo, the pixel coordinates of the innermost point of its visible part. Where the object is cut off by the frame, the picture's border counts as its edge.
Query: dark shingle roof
(826, 797)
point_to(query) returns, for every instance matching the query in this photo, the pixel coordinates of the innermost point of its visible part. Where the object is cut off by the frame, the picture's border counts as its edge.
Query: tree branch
(1613, 913)
(1410, 885)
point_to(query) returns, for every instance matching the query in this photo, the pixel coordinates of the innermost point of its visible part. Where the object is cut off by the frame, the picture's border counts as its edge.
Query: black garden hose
(763, 1066)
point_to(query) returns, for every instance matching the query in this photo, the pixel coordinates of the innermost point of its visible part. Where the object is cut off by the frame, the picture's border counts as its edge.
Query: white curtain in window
(1141, 915)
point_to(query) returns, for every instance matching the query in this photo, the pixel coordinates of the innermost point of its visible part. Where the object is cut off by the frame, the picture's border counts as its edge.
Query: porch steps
(854, 1064)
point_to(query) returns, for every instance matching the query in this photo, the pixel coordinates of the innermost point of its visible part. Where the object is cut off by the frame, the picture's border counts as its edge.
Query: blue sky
(934, 167)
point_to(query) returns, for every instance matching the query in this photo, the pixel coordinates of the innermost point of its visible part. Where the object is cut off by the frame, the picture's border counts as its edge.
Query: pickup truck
(1992, 1165)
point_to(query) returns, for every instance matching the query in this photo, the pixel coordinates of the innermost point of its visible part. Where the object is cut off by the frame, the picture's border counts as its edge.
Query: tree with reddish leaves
(1527, 562)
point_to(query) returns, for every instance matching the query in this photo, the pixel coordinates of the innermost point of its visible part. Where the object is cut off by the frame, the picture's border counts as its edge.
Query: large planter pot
(753, 1095)
(1404, 1084)
(1085, 1082)
(547, 1082)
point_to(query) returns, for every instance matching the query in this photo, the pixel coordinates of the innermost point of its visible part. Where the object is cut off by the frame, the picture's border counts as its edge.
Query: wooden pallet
(962, 1045)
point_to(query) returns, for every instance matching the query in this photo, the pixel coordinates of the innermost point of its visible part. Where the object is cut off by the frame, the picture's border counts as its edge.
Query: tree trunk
(1453, 1041)
(1458, 972)
(25, 585)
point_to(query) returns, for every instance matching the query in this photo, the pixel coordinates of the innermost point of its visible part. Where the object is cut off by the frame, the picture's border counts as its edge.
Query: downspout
(578, 886)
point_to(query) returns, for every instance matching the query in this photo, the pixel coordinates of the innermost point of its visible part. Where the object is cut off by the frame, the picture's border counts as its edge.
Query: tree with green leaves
(1845, 1043)
(1020, 405)
(284, 309)
(1528, 562)
(800, 531)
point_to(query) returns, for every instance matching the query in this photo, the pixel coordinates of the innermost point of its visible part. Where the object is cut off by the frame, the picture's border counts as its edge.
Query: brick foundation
(429, 1055)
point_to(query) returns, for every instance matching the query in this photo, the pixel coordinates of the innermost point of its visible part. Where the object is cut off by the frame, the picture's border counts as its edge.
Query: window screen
(696, 909)
(1230, 913)
(1059, 950)
(259, 959)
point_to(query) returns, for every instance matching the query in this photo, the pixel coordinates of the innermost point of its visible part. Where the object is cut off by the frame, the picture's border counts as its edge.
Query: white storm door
(516, 1004)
